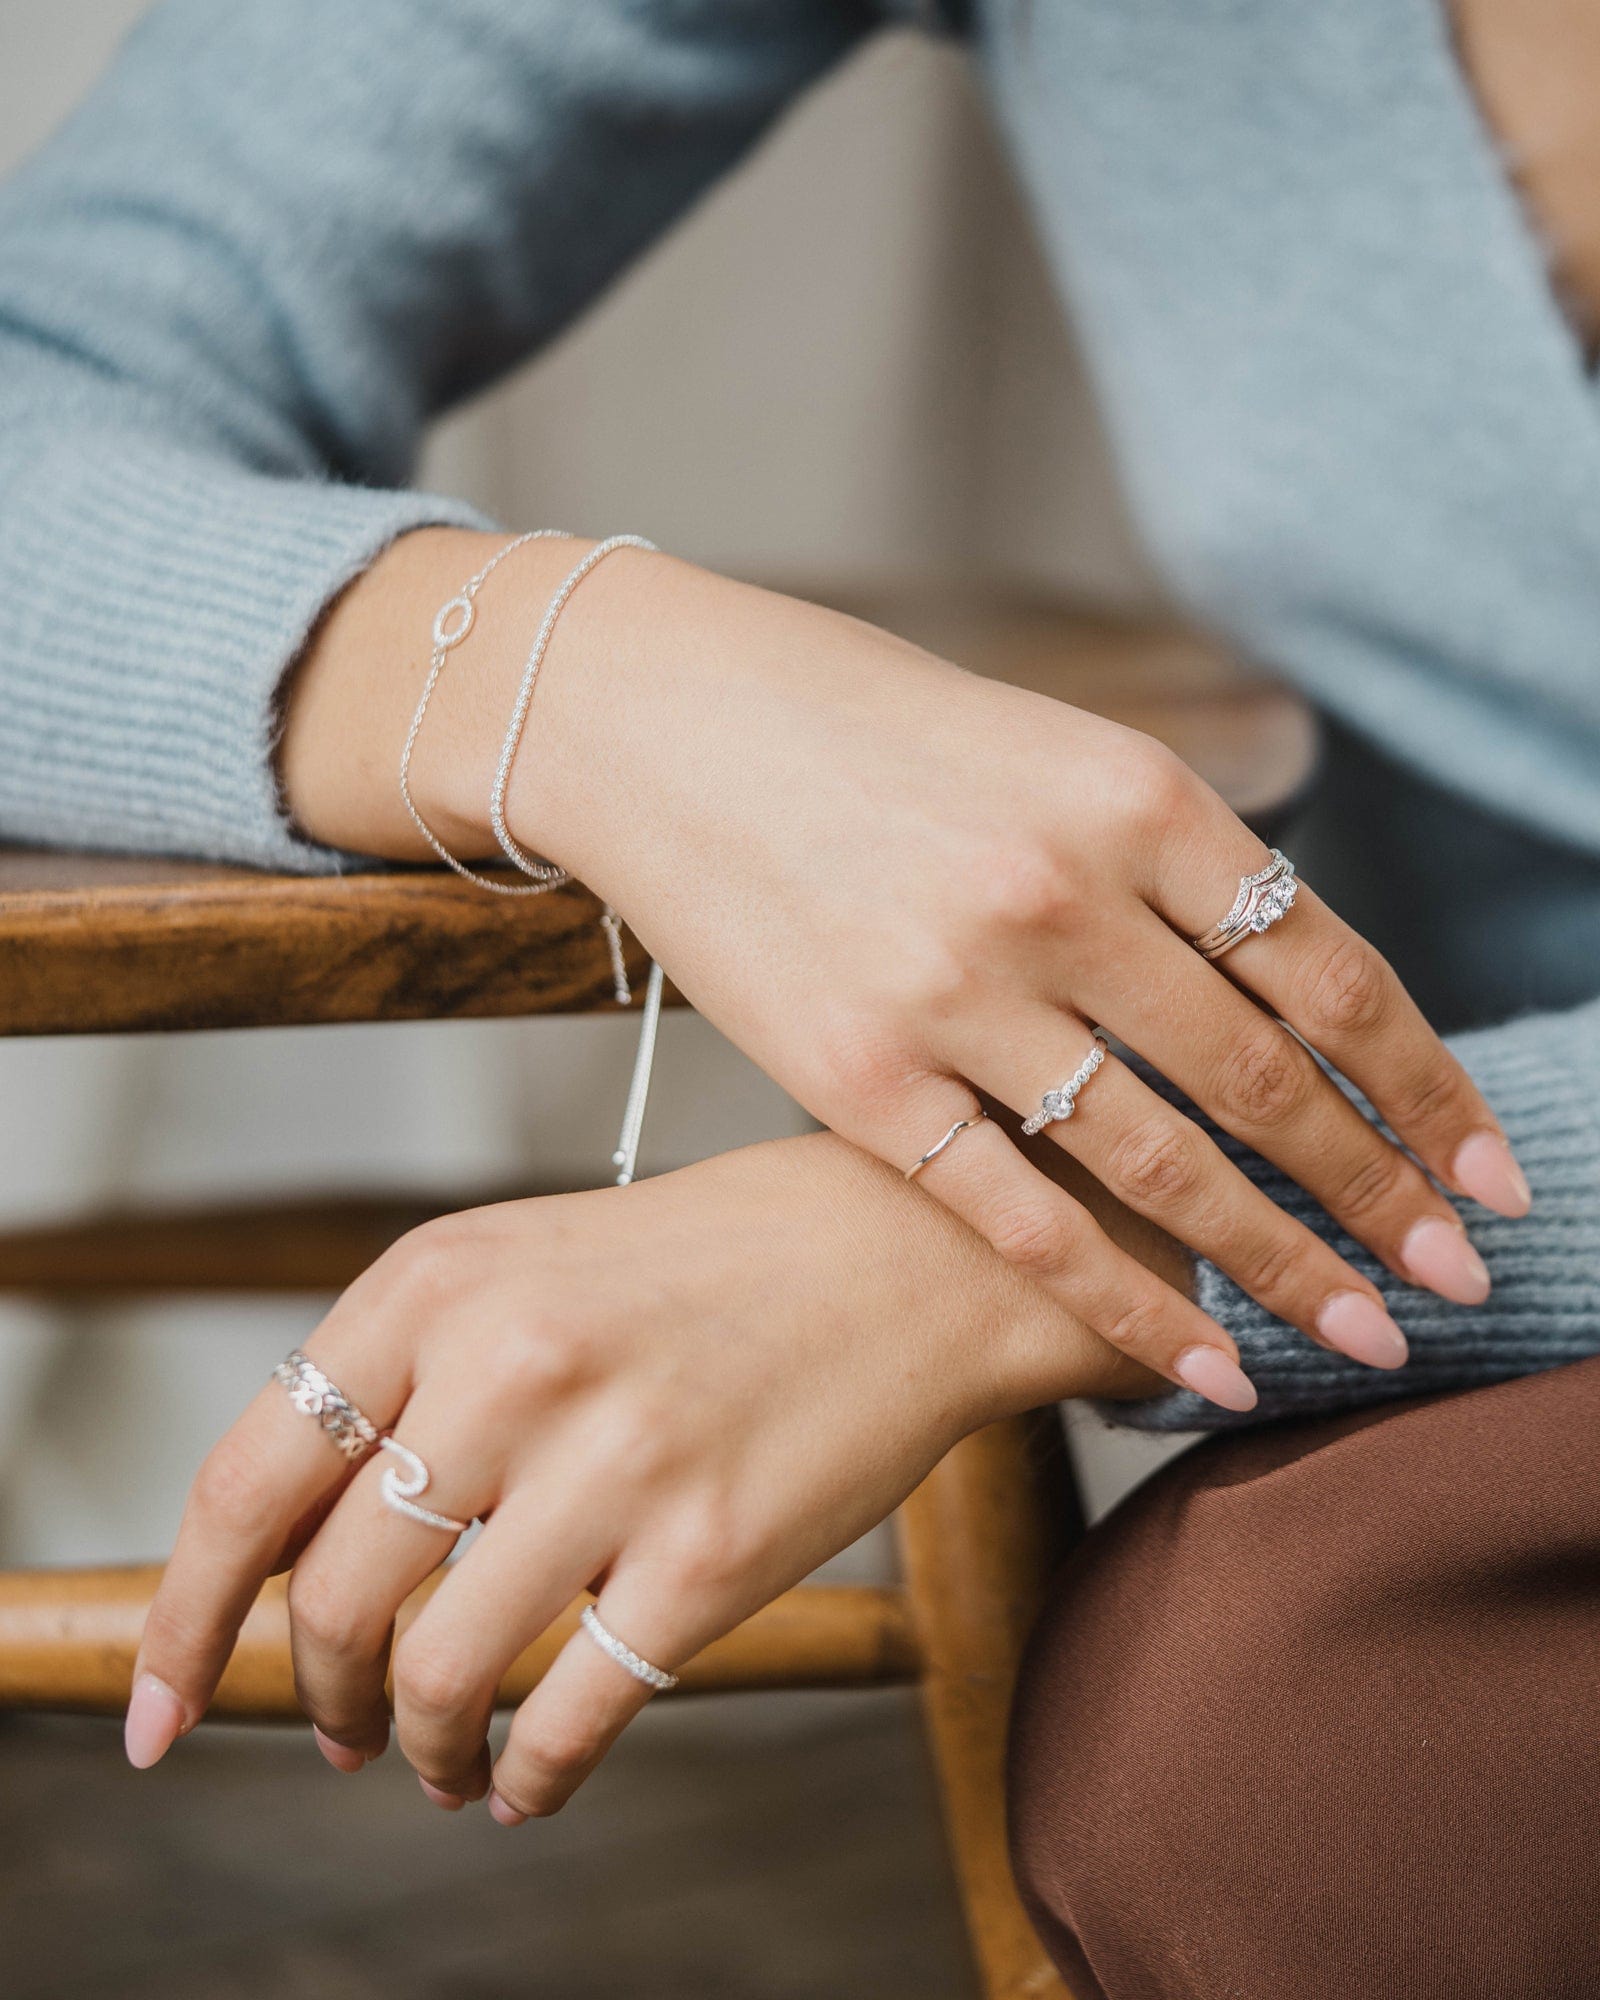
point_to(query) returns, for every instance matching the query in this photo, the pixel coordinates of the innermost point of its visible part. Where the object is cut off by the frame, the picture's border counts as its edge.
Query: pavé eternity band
(624, 1655)
(1264, 899)
(314, 1395)
(961, 1125)
(1058, 1105)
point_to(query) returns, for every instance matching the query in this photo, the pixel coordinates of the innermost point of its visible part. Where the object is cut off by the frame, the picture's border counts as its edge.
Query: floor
(733, 1848)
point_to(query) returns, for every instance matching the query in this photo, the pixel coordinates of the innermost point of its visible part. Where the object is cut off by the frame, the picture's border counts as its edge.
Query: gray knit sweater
(284, 233)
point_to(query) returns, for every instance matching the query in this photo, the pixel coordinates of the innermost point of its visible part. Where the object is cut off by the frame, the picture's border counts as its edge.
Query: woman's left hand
(685, 1395)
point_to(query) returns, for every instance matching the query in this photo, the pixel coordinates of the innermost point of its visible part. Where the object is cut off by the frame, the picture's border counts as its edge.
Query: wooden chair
(123, 946)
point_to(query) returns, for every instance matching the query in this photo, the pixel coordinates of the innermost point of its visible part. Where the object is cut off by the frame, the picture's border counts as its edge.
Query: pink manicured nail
(1437, 1254)
(341, 1758)
(1359, 1326)
(155, 1722)
(1209, 1372)
(1486, 1168)
(506, 1815)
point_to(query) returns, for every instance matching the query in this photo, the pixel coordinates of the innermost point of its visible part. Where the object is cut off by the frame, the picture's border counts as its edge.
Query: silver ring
(933, 1152)
(1056, 1106)
(313, 1395)
(624, 1655)
(401, 1494)
(1264, 899)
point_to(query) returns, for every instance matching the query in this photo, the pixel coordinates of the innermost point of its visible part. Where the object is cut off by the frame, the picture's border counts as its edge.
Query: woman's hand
(895, 884)
(685, 1394)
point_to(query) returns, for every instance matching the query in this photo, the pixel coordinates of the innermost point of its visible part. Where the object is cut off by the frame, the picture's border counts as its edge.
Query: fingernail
(1486, 1168)
(447, 1800)
(1437, 1254)
(1209, 1372)
(337, 1754)
(1359, 1326)
(155, 1722)
(506, 1815)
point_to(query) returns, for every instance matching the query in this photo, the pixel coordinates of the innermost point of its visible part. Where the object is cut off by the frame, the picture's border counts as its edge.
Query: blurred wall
(844, 368)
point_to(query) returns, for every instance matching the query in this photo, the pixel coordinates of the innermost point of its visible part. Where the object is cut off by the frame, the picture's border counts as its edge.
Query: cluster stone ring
(1058, 1105)
(1264, 899)
(624, 1655)
(353, 1435)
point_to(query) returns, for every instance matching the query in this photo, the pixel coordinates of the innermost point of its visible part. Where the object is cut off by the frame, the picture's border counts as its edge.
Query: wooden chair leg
(978, 1540)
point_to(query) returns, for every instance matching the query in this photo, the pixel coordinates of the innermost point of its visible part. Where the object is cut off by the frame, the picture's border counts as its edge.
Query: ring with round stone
(1264, 899)
(1058, 1105)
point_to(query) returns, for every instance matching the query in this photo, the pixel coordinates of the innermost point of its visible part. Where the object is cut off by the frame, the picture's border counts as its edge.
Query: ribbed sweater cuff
(155, 598)
(1542, 1077)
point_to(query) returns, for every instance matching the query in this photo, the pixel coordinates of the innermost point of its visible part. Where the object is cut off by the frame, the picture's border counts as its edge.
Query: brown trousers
(1315, 1715)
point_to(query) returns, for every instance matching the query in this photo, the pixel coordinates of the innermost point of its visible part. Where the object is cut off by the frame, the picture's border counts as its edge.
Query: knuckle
(1156, 787)
(1373, 1180)
(710, 1549)
(434, 1681)
(322, 1616)
(1264, 1080)
(1350, 992)
(1433, 1096)
(1273, 1266)
(1035, 1238)
(1159, 1165)
(229, 1489)
(423, 1267)
(546, 1360)
(1022, 885)
(864, 1063)
(1135, 1326)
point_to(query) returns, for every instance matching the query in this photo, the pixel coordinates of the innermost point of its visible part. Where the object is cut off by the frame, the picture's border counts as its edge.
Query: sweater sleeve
(1542, 1076)
(276, 239)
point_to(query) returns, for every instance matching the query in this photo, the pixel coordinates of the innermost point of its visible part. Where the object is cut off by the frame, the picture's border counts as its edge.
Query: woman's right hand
(895, 884)
(684, 1394)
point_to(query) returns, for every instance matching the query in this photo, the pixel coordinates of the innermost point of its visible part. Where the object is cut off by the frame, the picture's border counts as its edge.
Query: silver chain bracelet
(454, 620)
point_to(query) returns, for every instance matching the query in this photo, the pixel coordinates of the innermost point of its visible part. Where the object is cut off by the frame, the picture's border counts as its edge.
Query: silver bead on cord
(624, 1655)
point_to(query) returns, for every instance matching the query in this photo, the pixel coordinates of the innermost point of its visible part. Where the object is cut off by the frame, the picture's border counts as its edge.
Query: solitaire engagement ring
(1264, 899)
(1058, 1105)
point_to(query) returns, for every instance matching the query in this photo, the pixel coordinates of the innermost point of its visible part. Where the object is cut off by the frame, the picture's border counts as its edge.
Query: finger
(532, 1559)
(1162, 1165)
(252, 1494)
(1053, 1239)
(1340, 993)
(1261, 1084)
(359, 1569)
(1344, 997)
(586, 1700)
